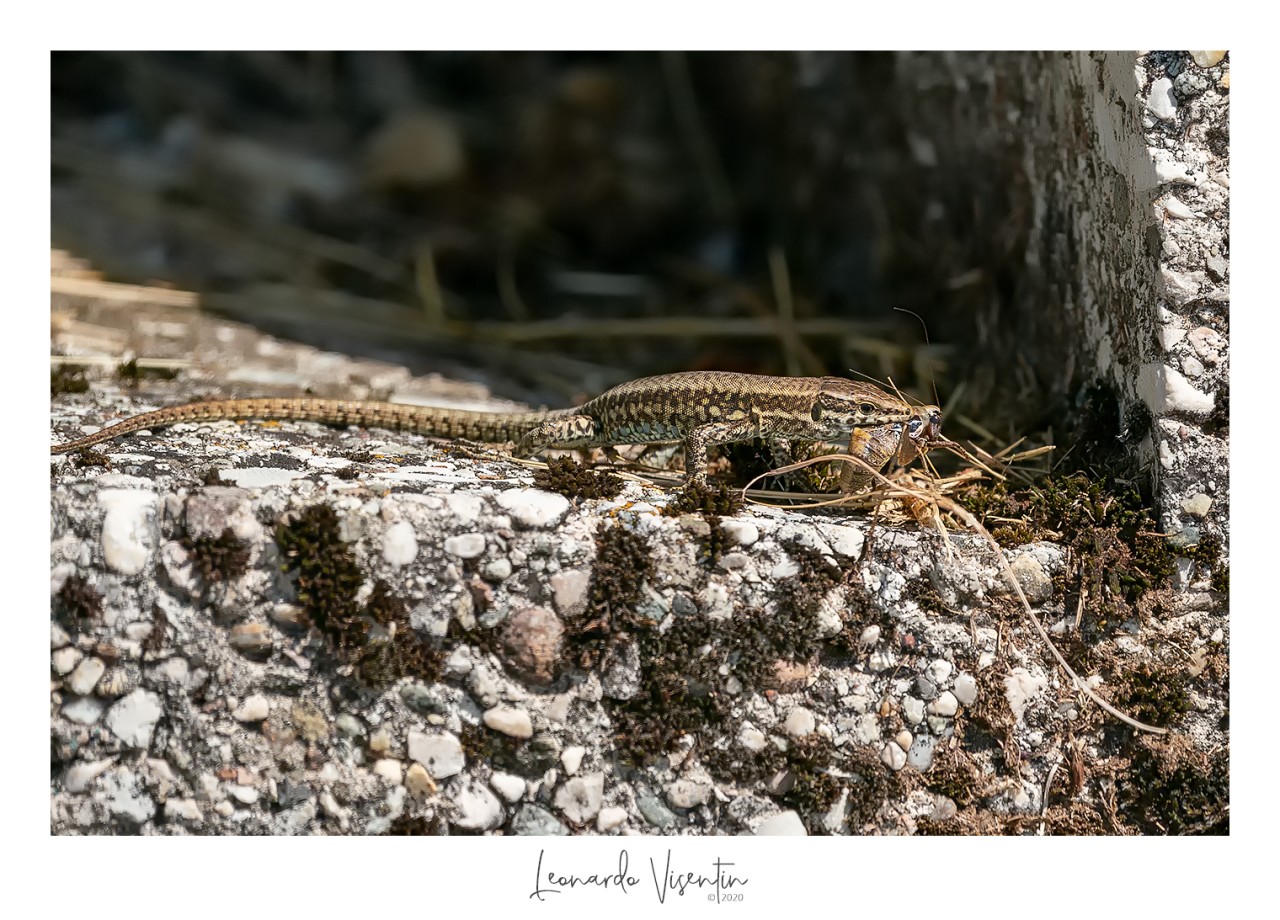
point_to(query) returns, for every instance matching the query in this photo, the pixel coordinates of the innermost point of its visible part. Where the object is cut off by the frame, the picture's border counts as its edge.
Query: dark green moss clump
(574, 480)
(66, 380)
(130, 375)
(1208, 555)
(218, 559)
(77, 603)
(622, 564)
(718, 499)
(83, 459)
(1116, 541)
(1153, 693)
(1172, 788)
(376, 637)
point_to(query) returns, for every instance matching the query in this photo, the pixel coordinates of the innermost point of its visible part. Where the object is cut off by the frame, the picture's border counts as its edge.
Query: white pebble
(125, 531)
(913, 710)
(86, 675)
(478, 808)
(245, 795)
(1165, 390)
(389, 769)
(571, 758)
(465, 546)
(65, 660)
(609, 818)
(966, 689)
(751, 738)
(685, 793)
(509, 786)
(1175, 208)
(533, 507)
(81, 775)
(939, 671)
(186, 809)
(800, 722)
(86, 710)
(399, 544)
(580, 798)
(784, 824)
(893, 757)
(945, 705)
(254, 709)
(132, 718)
(869, 636)
(440, 752)
(743, 533)
(903, 739)
(509, 721)
(1207, 58)
(1161, 101)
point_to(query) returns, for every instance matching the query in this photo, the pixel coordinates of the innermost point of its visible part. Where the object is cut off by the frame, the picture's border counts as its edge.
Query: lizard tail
(487, 427)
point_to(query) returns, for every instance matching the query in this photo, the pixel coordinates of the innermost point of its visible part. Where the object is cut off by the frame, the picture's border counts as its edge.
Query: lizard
(697, 408)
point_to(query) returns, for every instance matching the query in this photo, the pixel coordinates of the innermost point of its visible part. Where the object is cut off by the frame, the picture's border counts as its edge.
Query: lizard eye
(817, 412)
(867, 409)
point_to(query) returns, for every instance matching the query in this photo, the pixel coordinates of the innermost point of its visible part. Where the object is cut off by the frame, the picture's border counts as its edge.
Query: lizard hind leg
(565, 433)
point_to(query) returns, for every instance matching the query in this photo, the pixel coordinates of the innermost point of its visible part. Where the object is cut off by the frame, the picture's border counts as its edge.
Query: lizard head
(843, 405)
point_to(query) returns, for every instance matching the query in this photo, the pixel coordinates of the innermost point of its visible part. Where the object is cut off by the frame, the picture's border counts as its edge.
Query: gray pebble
(653, 811)
(536, 821)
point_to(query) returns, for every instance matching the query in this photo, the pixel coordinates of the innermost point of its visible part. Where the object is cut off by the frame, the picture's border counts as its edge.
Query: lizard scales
(697, 408)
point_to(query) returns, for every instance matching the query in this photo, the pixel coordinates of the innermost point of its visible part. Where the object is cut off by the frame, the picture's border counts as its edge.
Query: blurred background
(552, 224)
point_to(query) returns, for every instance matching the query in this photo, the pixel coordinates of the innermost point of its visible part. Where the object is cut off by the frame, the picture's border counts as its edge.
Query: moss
(1173, 788)
(574, 480)
(956, 775)
(696, 499)
(1110, 530)
(1207, 553)
(77, 603)
(377, 638)
(416, 826)
(218, 559)
(623, 562)
(83, 459)
(1153, 693)
(130, 375)
(65, 380)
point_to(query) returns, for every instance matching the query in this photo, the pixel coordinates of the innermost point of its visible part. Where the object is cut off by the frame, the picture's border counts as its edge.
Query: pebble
(498, 570)
(966, 689)
(752, 738)
(571, 758)
(1032, 578)
(784, 824)
(927, 689)
(920, 754)
(530, 644)
(869, 636)
(913, 710)
(79, 777)
(1161, 101)
(1206, 343)
(945, 705)
(1197, 505)
(225, 808)
(418, 781)
(124, 799)
(125, 529)
(903, 739)
(83, 709)
(743, 533)
(893, 757)
(508, 785)
(440, 752)
(686, 793)
(1207, 58)
(800, 722)
(117, 682)
(1175, 208)
(399, 544)
(509, 720)
(183, 809)
(882, 659)
(610, 817)
(535, 821)
(1166, 390)
(1191, 366)
(65, 660)
(533, 507)
(390, 770)
(254, 709)
(569, 591)
(1020, 687)
(465, 546)
(57, 636)
(939, 671)
(380, 741)
(581, 797)
(478, 808)
(253, 640)
(1216, 266)
(245, 795)
(653, 811)
(133, 718)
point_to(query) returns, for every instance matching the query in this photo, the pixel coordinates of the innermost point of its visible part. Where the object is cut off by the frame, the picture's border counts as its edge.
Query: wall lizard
(697, 408)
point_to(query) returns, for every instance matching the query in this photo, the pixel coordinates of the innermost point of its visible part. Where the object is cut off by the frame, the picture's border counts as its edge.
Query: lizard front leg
(696, 441)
